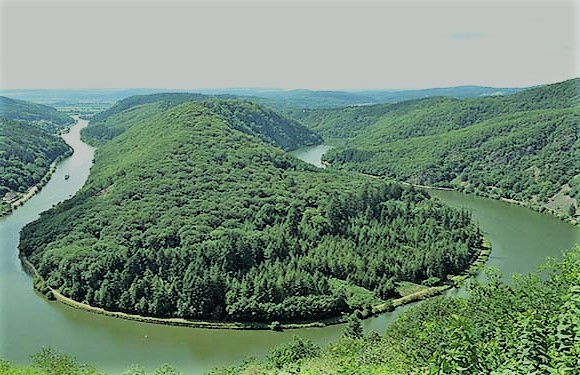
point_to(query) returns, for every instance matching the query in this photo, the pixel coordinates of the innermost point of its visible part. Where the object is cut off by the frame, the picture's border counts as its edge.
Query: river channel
(521, 239)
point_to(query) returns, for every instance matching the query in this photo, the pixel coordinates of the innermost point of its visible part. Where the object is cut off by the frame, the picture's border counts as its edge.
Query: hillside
(190, 212)
(26, 153)
(28, 146)
(244, 116)
(40, 115)
(347, 122)
(523, 147)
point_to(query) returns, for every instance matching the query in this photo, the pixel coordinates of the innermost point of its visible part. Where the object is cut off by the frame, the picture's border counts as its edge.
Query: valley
(161, 163)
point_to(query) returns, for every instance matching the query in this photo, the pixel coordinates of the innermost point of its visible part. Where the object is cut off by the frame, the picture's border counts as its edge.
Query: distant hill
(191, 211)
(41, 115)
(392, 96)
(311, 99)
(524, 146)
(274, 98)
(347, 122)
(245, 116)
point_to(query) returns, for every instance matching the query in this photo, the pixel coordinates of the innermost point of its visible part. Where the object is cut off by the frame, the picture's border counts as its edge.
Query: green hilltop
(245, 116)
(191, 211)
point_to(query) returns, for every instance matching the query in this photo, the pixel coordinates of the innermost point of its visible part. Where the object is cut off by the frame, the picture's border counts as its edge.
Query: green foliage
(524, 146)
(26, 153)
(28, 145)
(50, 362)
(244, 116)
(529, 327)
(189, 213)
(39, 115)
(293, 352)
(167, 99)
(353, 328)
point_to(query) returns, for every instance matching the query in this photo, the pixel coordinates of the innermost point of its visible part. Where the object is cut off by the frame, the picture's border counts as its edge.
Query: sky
(319, 44)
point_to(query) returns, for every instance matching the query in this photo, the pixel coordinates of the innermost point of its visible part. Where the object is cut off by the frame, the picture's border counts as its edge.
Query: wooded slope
(28, 146)
(525, 146)
(190, 212)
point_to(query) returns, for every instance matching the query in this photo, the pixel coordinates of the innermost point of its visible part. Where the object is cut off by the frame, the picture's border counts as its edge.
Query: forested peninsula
(193, 210)
(522, 147)
(29, 146)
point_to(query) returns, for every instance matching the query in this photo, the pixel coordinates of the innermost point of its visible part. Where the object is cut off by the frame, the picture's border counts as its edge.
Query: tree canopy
(28, 145)
(192, 212)
(525, 146)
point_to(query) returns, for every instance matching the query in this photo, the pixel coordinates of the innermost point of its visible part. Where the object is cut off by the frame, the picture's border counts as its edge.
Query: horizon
(265, 88)
(258, 88)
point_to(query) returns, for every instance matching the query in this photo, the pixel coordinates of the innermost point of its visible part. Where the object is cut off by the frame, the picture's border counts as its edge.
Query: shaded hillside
(349, 121)
(28, 146)
(26, 153)
(525, 146)
(189, 213)
(40, 115)
(245, 116)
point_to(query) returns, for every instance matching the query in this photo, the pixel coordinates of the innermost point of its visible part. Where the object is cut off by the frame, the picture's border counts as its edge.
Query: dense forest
(524, 146)
(241, 115)
(28, 146)
(191, 212)
(530, 326)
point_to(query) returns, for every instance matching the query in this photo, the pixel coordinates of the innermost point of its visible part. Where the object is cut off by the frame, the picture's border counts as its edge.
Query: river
(521, 239)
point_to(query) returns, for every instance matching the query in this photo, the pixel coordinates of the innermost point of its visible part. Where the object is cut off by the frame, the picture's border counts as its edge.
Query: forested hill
(524, 146)
(188, 214)
(40, 115)
(242, 115)
(433, 115)
(347, 122)
(169, 100)
(28, 146)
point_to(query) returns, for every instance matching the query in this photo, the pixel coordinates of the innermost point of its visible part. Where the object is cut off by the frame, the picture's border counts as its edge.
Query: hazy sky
(287, 44)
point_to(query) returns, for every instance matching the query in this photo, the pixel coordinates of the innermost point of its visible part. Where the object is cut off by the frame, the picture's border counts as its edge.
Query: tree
(353, 328)
(293, 352)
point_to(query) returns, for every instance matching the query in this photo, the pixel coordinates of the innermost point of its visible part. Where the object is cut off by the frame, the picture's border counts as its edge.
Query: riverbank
(541, 209)
(427, 292)
(35, 189)
(531, 206)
